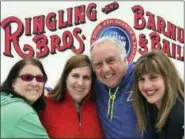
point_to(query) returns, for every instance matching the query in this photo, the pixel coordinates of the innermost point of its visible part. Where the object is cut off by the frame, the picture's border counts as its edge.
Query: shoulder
(90, 106)
(18, 109)
(175, 121)
(29, 126)
(50, 102)
(130, 67)
(177, 112)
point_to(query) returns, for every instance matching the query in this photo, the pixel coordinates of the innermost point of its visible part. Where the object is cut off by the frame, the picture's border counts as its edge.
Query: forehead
(81, 70)
(30, 69)
(104, 50)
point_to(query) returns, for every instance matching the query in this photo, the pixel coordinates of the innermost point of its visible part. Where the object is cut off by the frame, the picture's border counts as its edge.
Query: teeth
(150, 93)
(33, 90)
(79, 89)
(108, 76)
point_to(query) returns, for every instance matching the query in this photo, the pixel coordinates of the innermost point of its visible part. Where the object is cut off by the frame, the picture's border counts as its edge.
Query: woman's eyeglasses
(29, 77)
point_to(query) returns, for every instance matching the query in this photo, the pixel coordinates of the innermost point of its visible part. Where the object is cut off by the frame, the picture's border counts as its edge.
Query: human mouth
(33, 90)
(150, 93)
(108, 76)
(78, 89)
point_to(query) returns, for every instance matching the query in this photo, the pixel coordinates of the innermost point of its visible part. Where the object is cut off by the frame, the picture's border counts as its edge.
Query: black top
(173, 129)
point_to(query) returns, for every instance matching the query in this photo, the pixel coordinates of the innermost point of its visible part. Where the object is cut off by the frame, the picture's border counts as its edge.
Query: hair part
(157, 62)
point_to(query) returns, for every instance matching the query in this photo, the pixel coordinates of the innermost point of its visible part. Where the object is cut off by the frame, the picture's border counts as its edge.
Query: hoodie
(117, 116)
(19, 119)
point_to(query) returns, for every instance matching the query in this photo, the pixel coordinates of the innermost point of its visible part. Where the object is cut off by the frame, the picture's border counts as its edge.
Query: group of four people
(123, 100)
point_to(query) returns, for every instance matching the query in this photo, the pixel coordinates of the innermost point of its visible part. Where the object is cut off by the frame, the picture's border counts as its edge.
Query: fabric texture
(19, 119)
(173, 129)
(62, 120)
(121, 123)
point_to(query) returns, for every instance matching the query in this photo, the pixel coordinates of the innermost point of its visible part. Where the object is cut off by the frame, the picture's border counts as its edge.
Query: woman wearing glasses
(21, 99)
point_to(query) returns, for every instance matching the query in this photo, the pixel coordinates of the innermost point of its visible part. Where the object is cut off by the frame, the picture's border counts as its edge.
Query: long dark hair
(7, 86)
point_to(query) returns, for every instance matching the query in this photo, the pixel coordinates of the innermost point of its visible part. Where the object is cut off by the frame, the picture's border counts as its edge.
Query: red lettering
(38, 25)
(14, 37)
(81, 48)
(155, 41)
(28, 26)
(42, 45)
(166, 47)
(180, 34)
(151, 21)
(143, 44)
(79, 14)
(139, 21)
(51, 21)
(91, 12)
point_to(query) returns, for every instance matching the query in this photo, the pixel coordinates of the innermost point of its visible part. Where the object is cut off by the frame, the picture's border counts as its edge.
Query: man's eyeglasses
(29, 77)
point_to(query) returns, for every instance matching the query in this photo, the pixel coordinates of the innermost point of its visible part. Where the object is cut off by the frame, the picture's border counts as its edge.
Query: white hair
(118, 43)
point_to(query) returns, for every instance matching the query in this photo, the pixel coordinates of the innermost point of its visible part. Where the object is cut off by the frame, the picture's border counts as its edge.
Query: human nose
(34, 81)
(147, 85)
(80, 81)
(106, 67)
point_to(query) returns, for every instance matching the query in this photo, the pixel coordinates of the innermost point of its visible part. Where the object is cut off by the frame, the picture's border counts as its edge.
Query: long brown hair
(79, 60)
(157, 62)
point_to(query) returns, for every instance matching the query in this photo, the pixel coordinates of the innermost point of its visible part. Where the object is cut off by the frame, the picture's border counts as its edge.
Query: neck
(158, 105)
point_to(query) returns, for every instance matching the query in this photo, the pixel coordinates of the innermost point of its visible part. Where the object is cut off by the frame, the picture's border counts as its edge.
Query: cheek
(41, 85)
(140, 86)
(20, 87)
(88, 85)
(68, 83)
(97, 71)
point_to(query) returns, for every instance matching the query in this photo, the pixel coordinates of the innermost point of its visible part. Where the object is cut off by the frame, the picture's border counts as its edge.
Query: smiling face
(107, 63)
(79, 83)
(30, 90)
(152, 88)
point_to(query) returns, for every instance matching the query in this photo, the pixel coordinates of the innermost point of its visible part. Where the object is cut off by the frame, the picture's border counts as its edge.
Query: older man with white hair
(114, 88)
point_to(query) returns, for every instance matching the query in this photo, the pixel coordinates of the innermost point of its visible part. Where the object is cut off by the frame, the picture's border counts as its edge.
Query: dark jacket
(173, 128)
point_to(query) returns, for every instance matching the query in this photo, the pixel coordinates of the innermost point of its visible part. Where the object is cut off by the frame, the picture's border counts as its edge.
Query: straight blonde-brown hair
(157, 62)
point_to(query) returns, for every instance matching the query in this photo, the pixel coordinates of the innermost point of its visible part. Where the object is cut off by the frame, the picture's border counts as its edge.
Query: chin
(151, 102)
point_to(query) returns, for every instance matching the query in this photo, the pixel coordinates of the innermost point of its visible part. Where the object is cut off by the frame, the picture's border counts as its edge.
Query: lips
(78, 89)
(109, 76)
(150, 93)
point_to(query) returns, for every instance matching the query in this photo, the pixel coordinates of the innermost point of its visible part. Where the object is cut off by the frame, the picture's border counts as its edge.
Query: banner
(53, 31)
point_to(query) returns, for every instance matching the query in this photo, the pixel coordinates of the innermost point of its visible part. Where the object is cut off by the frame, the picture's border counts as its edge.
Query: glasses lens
(40, 78)
(27, 77)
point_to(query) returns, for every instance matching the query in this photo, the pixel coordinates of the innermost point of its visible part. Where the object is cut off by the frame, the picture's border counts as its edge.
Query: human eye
(153, 76)
(141, 79)
(110, 60)
(97, 65)
(87, 77)
(75, 75)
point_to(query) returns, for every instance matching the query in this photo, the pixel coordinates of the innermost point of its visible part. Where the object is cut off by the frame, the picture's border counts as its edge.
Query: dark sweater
(173, 129)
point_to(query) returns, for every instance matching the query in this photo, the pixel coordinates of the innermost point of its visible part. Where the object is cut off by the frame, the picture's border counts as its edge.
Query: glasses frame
(30, 77)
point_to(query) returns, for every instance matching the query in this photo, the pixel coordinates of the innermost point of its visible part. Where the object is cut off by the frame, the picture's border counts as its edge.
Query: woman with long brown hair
(159, 95)
(70, 108)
